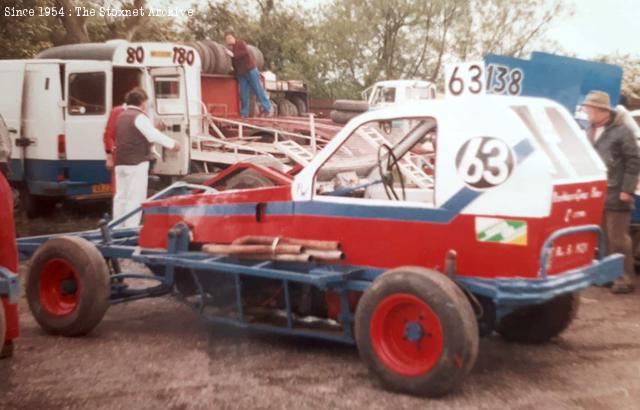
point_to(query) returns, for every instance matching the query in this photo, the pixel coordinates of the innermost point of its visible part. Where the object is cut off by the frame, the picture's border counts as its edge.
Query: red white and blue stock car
(417, 229)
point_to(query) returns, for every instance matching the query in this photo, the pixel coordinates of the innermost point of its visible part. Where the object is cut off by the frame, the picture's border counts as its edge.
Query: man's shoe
(621, 288)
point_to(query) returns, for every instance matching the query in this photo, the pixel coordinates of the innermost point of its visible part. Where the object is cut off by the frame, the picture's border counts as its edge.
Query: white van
(58, 104)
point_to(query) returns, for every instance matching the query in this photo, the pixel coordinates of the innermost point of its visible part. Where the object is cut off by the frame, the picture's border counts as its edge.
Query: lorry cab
(392, 92)
(59, 104)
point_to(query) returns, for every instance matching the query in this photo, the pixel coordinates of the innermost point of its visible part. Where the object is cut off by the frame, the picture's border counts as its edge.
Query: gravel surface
(156, 353)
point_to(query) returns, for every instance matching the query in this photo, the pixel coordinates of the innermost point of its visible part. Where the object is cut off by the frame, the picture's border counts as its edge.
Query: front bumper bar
(9, 285)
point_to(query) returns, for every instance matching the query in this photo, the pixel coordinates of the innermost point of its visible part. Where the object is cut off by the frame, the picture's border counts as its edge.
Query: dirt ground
(156, 353)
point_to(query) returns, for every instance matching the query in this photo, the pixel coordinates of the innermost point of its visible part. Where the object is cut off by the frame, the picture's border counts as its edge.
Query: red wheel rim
(59, 287)
(406, 334)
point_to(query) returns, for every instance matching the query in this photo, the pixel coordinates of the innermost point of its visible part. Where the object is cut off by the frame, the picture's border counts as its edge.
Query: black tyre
(224, 65)
(68, 286)
(216, 57)
(635, 246)
(207, 58)
(197, 178)
(287, 109)
(249, 179)
(300, 103)
(417, 332)
(342, 117)
(351, 105)
(7, 350)
(540, 323)
(3, 326)
(35, 205)
(257, 55)
(198, 47)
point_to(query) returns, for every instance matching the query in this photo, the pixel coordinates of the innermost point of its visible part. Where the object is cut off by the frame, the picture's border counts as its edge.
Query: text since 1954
(81, 11)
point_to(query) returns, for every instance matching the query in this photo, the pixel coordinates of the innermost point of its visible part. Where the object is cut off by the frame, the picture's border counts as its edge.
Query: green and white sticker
(505, 231)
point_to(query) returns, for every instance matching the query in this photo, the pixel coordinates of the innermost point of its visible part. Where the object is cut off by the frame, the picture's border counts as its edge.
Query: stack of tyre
(216, 61)
(345, 110)
(292, 106)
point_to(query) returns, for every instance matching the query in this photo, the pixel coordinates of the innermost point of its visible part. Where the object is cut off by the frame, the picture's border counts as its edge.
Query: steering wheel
(386, 172)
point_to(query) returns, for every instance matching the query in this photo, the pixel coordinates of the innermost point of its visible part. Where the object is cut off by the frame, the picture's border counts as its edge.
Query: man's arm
(240, 49)
(109, 136)
(144, 125)
(631, 158)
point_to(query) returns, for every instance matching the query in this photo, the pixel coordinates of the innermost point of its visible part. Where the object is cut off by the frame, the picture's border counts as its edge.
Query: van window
(384, 95)
(167, 93)
(419, 93)
(87, 93)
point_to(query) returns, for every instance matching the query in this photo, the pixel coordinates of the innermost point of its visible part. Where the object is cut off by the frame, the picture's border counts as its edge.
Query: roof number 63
(484, 162)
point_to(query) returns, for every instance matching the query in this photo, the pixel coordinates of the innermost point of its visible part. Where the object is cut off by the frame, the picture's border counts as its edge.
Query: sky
(597, 27)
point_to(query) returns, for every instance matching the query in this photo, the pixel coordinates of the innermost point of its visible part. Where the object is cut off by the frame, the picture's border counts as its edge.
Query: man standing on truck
(135, 135)
(617, 148)
(244, 66)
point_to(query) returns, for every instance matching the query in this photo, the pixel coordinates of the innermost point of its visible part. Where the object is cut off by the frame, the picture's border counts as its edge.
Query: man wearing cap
(617, 148)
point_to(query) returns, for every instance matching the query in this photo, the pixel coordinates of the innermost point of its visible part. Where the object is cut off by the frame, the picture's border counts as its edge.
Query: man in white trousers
(135, 135)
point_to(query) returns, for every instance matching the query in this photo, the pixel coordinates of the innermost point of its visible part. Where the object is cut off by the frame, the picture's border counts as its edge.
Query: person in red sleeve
(244, 66)
(109, 140)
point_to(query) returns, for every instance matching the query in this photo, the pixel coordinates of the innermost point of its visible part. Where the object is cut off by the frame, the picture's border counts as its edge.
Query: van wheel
(68, 286)
(417, 332)
(35, 205)
(539, 323)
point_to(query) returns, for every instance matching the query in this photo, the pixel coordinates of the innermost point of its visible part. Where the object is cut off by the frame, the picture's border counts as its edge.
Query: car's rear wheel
(417, 332)
(68, 286)
(540, 323)
(3, 325)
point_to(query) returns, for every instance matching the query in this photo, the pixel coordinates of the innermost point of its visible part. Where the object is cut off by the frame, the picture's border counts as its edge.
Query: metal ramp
(295, 151)
(408, 168)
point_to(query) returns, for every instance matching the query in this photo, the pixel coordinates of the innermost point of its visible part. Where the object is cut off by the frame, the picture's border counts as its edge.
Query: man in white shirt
(135, 135)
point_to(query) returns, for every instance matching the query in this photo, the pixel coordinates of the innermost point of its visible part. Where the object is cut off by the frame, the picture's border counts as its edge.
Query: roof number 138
(504, 80)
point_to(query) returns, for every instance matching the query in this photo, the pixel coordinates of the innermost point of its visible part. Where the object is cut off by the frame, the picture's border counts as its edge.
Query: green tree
(367, 41)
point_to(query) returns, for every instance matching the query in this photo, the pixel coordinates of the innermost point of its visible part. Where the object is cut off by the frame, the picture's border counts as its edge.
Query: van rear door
(168, 102)
(89, 101)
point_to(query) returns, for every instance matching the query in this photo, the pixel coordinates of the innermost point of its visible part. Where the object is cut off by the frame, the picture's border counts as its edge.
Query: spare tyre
(211, 47)
(300, 104)
(342, 117)
(287, 109)
(351, 105)
(205, 55)
(257, 56)
(224, 61)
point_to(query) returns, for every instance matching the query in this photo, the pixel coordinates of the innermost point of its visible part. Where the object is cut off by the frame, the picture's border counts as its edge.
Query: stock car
(416, 230)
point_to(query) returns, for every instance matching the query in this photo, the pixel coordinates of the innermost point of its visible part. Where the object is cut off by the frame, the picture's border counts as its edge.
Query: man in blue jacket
(244, 66)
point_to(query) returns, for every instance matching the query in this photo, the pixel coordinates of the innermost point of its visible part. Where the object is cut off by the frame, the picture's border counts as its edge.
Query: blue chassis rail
(9, 285)
(508, 294)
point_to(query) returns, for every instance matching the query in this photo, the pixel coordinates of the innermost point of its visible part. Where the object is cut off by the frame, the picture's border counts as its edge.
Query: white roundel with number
(484, 162)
